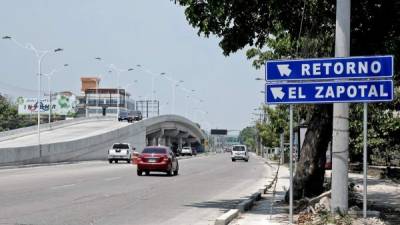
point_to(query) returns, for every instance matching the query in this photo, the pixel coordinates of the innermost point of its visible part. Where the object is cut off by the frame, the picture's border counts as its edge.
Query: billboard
(60, 105)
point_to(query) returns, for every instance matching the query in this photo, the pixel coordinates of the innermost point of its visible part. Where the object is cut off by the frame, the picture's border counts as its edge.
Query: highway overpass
(89, 139)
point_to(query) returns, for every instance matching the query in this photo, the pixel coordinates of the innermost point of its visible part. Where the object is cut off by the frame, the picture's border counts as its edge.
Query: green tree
(248, 136)
(271, 128)
(295, 28)
(9, 118)
(383, 133)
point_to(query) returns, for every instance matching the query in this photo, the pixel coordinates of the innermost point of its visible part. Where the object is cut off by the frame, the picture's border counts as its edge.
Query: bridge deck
(68, 133)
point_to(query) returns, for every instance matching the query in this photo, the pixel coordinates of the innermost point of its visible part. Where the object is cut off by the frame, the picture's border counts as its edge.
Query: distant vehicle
(123, 115)
(135, 115)
(120, 151)
(227, 149)
(159, 159)
(239, 152)
(130, 116)
(187, 151)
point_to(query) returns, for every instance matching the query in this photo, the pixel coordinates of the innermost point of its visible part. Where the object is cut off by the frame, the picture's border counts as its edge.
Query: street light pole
(126, 87)
(49, 75)
(119, 71)
(40, 54)
(153, 77)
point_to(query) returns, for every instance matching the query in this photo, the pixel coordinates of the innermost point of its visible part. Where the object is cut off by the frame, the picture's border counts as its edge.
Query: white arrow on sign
(277, 92)
(284, 69)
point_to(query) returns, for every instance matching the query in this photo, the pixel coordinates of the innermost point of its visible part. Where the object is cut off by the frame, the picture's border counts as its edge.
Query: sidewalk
(269, 210)
(383, 195)
(381, 192)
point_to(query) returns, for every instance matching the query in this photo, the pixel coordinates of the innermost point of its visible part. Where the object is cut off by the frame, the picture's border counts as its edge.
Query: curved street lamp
(40, 54)
(49, 75)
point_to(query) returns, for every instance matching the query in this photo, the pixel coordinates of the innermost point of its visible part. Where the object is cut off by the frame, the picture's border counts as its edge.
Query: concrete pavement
(102, 193)
(66, 133)
(270, 210)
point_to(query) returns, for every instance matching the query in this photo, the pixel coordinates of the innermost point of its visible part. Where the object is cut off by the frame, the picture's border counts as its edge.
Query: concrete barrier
(20, 132)
(89, 148)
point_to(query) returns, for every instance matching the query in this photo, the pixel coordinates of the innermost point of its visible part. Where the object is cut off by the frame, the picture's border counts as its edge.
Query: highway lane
(66, 133)
(102, 193)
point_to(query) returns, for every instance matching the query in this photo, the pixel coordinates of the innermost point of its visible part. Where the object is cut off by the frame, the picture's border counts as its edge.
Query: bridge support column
(154, 141)
(167, 141)
(180, 143)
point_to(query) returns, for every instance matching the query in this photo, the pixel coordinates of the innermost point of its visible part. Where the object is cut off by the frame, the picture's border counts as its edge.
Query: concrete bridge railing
(89, 148)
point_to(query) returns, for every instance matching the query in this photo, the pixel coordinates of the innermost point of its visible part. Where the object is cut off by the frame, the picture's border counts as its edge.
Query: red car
(158, 159)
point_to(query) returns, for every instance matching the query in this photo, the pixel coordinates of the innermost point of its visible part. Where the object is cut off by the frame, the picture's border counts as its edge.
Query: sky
(152, 33)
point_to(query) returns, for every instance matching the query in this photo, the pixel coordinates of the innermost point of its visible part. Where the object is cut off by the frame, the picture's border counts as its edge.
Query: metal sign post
(365, 130)
(328, 80)
(291, 164)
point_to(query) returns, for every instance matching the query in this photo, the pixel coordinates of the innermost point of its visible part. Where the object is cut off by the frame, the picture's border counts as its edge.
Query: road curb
(227, 217)
(248, 203)
(242, 207)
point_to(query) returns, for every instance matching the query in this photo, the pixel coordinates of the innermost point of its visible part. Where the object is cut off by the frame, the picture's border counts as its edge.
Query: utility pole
(340, 134)
(282, 139)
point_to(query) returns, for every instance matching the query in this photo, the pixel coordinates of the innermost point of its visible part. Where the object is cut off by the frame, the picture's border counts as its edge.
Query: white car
(239, 152)
(187, 151)
(120, 151)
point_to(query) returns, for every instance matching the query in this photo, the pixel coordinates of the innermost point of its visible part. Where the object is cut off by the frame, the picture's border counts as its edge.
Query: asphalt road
(101, 193)
(65, 133)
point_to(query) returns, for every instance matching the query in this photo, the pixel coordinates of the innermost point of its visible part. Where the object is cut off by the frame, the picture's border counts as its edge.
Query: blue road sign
(329, 68)
(329, 92)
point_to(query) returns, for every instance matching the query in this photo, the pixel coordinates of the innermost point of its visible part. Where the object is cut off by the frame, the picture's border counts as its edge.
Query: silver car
(239, 152)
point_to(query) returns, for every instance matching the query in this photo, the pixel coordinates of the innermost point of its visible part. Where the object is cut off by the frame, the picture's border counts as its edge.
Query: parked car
(159, 159)
(120, 151)
(239, 152)
(187, 151)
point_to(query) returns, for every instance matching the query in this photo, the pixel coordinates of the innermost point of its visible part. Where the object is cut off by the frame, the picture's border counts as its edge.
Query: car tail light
(165, 158)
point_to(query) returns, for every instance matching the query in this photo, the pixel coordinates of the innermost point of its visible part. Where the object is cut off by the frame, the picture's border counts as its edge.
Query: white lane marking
(112, 178)
(62, 186)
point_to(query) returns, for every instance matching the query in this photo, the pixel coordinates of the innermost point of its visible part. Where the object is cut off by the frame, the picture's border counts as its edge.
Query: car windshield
(238, 148)
(136, 113)
(120, 146)
(155, 150)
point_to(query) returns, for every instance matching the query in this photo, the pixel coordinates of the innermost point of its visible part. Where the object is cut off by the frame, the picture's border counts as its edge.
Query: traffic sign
(329, 92)
(329, 68)
(219, 131)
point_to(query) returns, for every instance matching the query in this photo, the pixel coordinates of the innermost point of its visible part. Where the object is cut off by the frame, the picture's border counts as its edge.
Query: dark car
(135, 115)
(123, 115)
(130, 116)
(157, 159)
